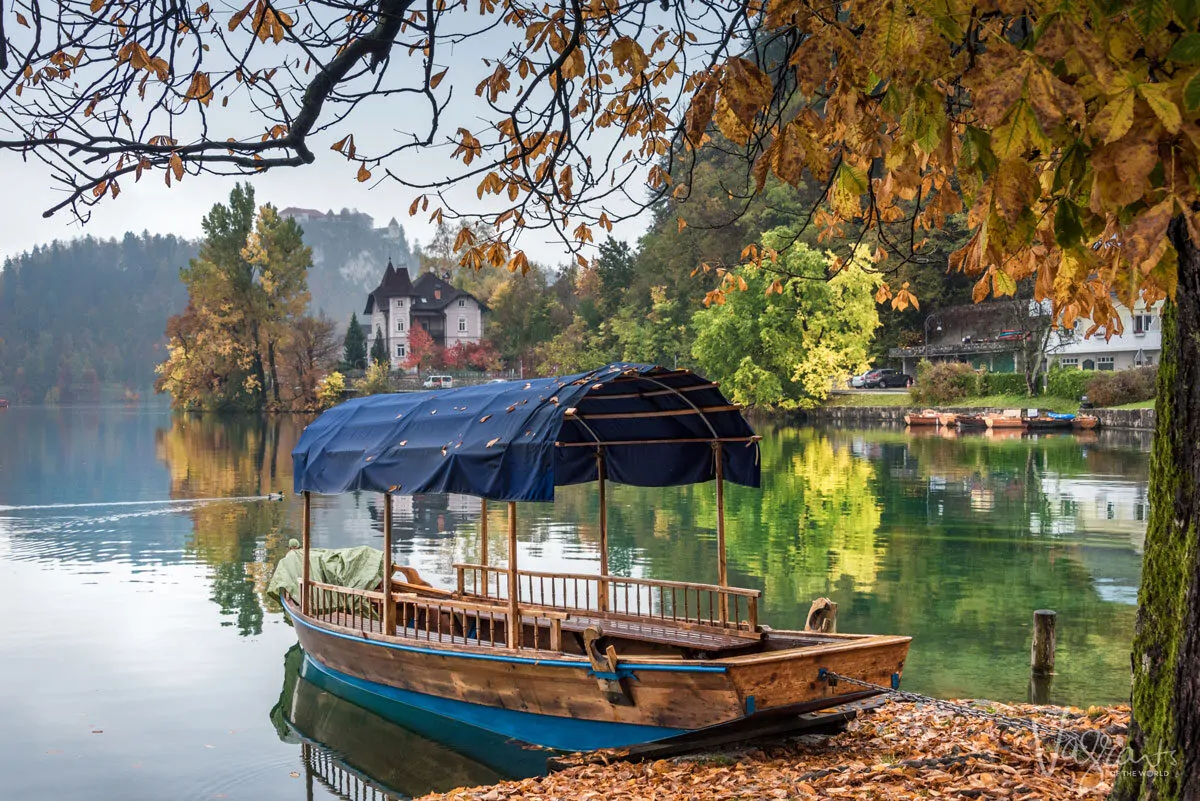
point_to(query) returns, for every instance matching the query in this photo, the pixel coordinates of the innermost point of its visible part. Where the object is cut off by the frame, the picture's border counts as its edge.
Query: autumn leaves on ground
(897, 751)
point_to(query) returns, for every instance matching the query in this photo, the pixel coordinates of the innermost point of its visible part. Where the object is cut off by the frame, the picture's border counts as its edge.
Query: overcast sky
(149, 205)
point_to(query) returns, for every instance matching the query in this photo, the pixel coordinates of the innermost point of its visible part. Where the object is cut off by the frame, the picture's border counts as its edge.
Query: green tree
(379, 354)
(354, 347)
(247, 293)
(785, 342)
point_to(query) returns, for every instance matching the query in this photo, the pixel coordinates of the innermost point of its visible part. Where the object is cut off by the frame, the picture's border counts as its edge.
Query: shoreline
(1133, 419)
(898, 750)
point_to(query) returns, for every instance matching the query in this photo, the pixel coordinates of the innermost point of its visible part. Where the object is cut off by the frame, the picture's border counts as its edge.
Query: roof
(434, 293)
(394, 284)
(518, 440)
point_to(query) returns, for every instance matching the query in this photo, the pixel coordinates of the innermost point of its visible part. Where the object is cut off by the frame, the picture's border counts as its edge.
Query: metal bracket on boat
(604, 667)
(824, 675)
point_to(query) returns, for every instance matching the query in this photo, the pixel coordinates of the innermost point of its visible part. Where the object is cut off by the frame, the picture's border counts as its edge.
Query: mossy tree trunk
(1163, 758)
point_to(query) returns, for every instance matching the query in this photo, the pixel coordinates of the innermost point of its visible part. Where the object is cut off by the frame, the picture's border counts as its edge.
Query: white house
(450, 315)
(1140, 344)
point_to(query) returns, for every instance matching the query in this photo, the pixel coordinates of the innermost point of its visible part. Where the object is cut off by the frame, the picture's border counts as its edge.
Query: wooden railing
(345, 606)
(676, 601)
(337, 778)
(442, 620)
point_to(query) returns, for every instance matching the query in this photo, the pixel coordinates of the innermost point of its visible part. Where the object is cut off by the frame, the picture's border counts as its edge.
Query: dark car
(886, 377)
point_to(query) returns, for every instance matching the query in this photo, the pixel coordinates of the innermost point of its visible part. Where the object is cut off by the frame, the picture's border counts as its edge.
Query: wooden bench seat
(663, 632)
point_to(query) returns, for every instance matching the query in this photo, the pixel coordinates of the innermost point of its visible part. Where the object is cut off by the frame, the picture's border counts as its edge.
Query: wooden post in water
(483, 538)
(389, 605)
(306, 543)
(514, 588)
(1045, 639)
(722, 574)
(601, 470)
(1041, 655)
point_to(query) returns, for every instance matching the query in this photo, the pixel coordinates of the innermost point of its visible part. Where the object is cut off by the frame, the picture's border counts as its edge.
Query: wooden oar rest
(700, 638)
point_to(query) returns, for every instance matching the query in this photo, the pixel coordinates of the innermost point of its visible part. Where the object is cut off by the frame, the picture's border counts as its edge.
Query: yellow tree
(1066, 128)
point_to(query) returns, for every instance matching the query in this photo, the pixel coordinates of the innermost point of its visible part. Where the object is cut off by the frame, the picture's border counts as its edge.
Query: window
(1088, 364)
(400, 351)
(462, 323)
(1069, 361)
(399, 325)
(399, 303)
(462, 304)
(1106, 363)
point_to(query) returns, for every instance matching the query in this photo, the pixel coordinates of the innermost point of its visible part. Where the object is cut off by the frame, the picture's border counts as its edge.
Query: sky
(150, 206)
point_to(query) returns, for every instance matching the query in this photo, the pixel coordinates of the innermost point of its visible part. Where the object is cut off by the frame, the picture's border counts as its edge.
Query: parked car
(438, 382)
(886, 377)
(856, 381)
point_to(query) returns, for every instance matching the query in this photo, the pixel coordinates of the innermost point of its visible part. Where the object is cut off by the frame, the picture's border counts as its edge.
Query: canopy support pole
(483, 538)
(722, 575)
(514, 587)
(306, 540)
(601, 469)
(389, 605)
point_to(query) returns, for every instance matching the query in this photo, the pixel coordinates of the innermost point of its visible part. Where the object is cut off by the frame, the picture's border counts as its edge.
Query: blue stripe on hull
(566, 734)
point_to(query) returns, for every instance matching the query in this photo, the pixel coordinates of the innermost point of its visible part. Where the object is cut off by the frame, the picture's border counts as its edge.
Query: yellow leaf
(1167, 112)
(493, 441)
(682, 225)
(1003, 283)
(1114, 119)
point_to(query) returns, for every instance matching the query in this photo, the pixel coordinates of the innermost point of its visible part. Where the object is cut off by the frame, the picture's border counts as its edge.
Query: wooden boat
(1050, 422)
(971, 421)
(1011, 418)
(927, 417)
(1085, 422)
(947, 419)
(565, 661)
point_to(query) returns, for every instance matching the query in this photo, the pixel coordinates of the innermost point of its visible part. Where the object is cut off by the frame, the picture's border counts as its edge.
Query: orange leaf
(177, 166)
(363, 173)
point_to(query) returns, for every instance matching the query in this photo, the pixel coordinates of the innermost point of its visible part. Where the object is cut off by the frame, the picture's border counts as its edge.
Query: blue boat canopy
(518, 440)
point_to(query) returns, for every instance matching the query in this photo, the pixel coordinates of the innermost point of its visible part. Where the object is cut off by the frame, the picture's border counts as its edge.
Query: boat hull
(921, 420)
(555, 700)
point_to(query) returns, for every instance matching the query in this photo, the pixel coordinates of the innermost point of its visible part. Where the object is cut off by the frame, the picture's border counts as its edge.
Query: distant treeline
(76, 315)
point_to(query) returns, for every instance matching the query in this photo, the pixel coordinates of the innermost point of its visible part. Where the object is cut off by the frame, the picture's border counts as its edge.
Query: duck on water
(562, 660)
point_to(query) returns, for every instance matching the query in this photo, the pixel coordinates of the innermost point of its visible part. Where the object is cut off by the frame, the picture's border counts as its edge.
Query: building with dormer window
(450, 315)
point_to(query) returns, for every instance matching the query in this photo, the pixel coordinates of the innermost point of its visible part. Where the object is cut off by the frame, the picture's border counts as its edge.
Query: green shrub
(1068, 382)
(1004, 384)
(945, 382)
(375, 381)
(1121, 387)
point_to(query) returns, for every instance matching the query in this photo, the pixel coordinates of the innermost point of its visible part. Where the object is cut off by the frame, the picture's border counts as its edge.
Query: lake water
(139, 658)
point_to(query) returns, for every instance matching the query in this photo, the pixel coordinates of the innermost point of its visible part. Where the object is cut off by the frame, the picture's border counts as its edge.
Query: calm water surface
(139, 658)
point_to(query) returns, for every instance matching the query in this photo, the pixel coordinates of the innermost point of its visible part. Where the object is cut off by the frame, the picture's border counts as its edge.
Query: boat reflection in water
(359, 746)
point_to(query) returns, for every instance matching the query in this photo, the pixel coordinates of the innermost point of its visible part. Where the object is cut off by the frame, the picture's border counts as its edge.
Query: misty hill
(349, 256)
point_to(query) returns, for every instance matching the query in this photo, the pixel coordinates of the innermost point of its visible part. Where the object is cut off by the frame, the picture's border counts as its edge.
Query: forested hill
(79, 314)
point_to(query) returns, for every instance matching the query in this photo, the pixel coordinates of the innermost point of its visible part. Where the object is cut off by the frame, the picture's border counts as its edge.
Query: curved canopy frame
(518, 440)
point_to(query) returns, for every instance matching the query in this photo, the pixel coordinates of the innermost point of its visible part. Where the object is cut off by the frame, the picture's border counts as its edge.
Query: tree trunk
(274, 372)
(1163, 757)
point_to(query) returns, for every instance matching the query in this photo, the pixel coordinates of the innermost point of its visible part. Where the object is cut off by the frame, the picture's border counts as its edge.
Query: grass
(868, 398)
(1146, 404)
(998, 401)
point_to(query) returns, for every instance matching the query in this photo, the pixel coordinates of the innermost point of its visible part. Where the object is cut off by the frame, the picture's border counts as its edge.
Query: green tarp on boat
(360, 568)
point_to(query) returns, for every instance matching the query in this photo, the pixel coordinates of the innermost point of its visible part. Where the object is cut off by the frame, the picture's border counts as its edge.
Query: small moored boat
(569, 661)
(1085, 422)
(1050, 422)
(971, 421)
(1011, 418)
(926, 417)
